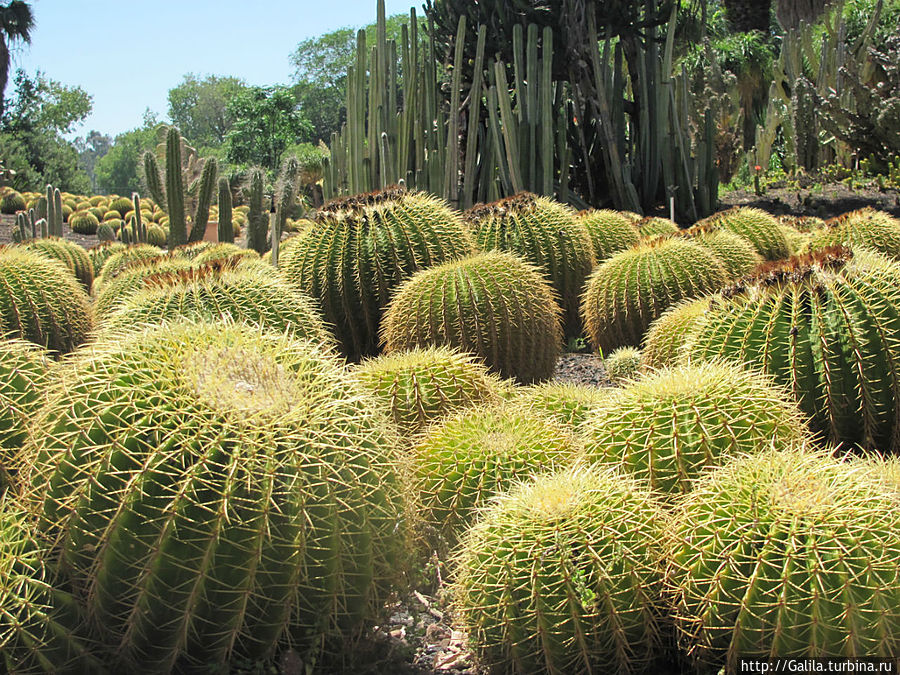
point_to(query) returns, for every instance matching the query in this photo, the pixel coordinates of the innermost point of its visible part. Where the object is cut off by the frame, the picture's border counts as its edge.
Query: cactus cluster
(71, 255)
(756, 226)
(568, 404)
(866, 228)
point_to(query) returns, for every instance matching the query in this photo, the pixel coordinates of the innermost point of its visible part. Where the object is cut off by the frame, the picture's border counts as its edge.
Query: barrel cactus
(235, 490)
(652, 226)
(102, 251)
(544, 233)
(68, 253)
(464, 460)
(756, 226)
(106, 232)
(493, 305)
(738, 256)
(121, 204)
(797, 240)
(824, 326)
(362, 248)
(565, 575)
(424, 384)
(803, 224)
(626, 293)
(866, 228)
(41, 301)
(671, 426)
(121, 258)
(12, 202)
(84, 222)
(224, 252)
(130, 279)
(610, 231)
(157, 236)
(623, 364)
(787, 553)
(567, 403)
(666, 336)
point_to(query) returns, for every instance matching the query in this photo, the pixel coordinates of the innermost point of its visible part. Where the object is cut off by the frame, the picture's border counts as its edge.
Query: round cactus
(626, 293)
(96, 212)
(568, 404)
(156, 236)
(623, 364)
(787, 553)
(610, 231)
(235, 490)
(797, 240)
(493, 305)
(421, 385)
(362, 248)
(738, 256)
(865, 228)
(565, 575)
(121, 258)
(106, 232)
(664, 339)
(192, 250)
(121, 204)
(102, 251)
(41, 301)
(467, 458)
(70, 254)
(225, 251)
(130, 279)
(12, 202)
(544, 233)
(243, 293)
(112, 215)
(824, 326)
(756, 226)
(672, 425)
(652, 226)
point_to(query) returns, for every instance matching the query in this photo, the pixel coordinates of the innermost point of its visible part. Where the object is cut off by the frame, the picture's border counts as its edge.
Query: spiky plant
(626, 293)
(797, 240)
(156, 236)
(192, 250)
(122, 205)
(225, 251)
(664, 339)
(464, 460)
(567, 403)
(241, 292)
(623, 364)
(130, 279)
(97, 200)
(84, 222)
(106, 233)
(100, 253)
(493, 305)
(867, 228)
(69, 254)
(121, 258)
(672, 425)
(41, 301)
(787, 553)
(544, 233)
(826, 327)
(362, 248)
(424, 384)
(756, 226)
(112, 215)
(651, 226)
(12, 202)
(803, 224)
(564, 575)
(737, 254)
(98, 213)
(611, 231)
(235, 490)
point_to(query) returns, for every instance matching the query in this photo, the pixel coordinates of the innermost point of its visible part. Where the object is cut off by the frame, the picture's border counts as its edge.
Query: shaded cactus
(754, 225)
(121, 258)
(362, 248)
(257, 217)
(157, 236)
(224, 251)
(651, 226)
(611, 231)
(564, 575)
(502, 310)
(106, 232)
(100, 253)
(662, 344)
(671, 426)
(629, 291)
(544, 233)
(791, 553)
(797, 241)
(69, 254)
(867, 228)
(226, 228)
(825, 327)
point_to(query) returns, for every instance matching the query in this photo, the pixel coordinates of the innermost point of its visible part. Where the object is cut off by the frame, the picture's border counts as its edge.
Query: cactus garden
(552, 355)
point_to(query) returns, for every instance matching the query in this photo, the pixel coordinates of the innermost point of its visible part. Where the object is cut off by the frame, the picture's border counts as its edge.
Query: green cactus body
(212, 489)
(671, 426)
(754, 225)
(12, 202)
(566, 403)
(225, 251)
(100, 253)
(424, 384)
(70, 254)
(623, 364)
(226, 227)
(564, 575)
(824, 326)
(797, 240)
(787, 553)
(737, 254)
(112, 215)
(466, 459)
(803, 224)
(192, 250)
(629, 291)
(130, 279)
(866, 228)
(120, 258)
(41, 301)
(651, 226)
(258, 219)
(493, 305)
(122, 205)
(106, 233)
(611, 232)
(361, 250)
(84, 222)
(156, 236)
(662, 344)
(546, 234)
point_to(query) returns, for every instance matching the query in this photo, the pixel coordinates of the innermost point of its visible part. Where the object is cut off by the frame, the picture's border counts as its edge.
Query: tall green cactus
(175, 190)
(257, 218)
(226, 224)
(286, 194)
(204, 199)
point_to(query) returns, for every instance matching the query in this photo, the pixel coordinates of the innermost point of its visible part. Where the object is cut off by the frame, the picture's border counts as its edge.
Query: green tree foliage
(90, 149)
(16, 23)
(199, 108)
(266, 121)
(118, 171)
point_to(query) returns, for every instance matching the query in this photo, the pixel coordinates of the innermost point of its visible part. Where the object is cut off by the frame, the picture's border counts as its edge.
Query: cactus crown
(793, 270)
(522, 201)
(366, 199)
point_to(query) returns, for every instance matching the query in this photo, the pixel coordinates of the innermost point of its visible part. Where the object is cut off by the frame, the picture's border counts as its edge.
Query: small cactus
(84, 222)
(12, 202)
(566, 403)
(661, 347)
(756, 226)
(623, 364)
(611, 232)
(652, 226)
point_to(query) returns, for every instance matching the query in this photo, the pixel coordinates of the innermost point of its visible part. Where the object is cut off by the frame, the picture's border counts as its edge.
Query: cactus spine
(226, 225)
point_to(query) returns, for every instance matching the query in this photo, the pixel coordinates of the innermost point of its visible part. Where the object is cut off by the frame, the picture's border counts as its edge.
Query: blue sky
(128, 55)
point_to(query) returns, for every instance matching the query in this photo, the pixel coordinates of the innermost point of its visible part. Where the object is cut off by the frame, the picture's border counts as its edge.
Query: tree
(90, 149)
(266, 121)
(746, 15)
(199, 108)
(16, 22)
(118, 171)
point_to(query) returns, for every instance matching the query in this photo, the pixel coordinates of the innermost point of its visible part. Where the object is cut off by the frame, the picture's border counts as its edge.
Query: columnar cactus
(544, 233)
(611, 232)
(235, 490)
(824, 326)
(787, 553)
(493, 305)
(362, 248)
(626, 293)
(226, 226)
(865, 228)
(669, 427)
(564, 575)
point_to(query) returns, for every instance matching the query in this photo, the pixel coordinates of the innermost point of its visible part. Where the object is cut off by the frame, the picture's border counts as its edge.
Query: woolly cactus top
(366, 199)
(523, 201)
(793, 270)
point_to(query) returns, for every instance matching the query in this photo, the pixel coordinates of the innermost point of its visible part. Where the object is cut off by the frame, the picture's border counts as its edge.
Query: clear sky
(127, 55)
